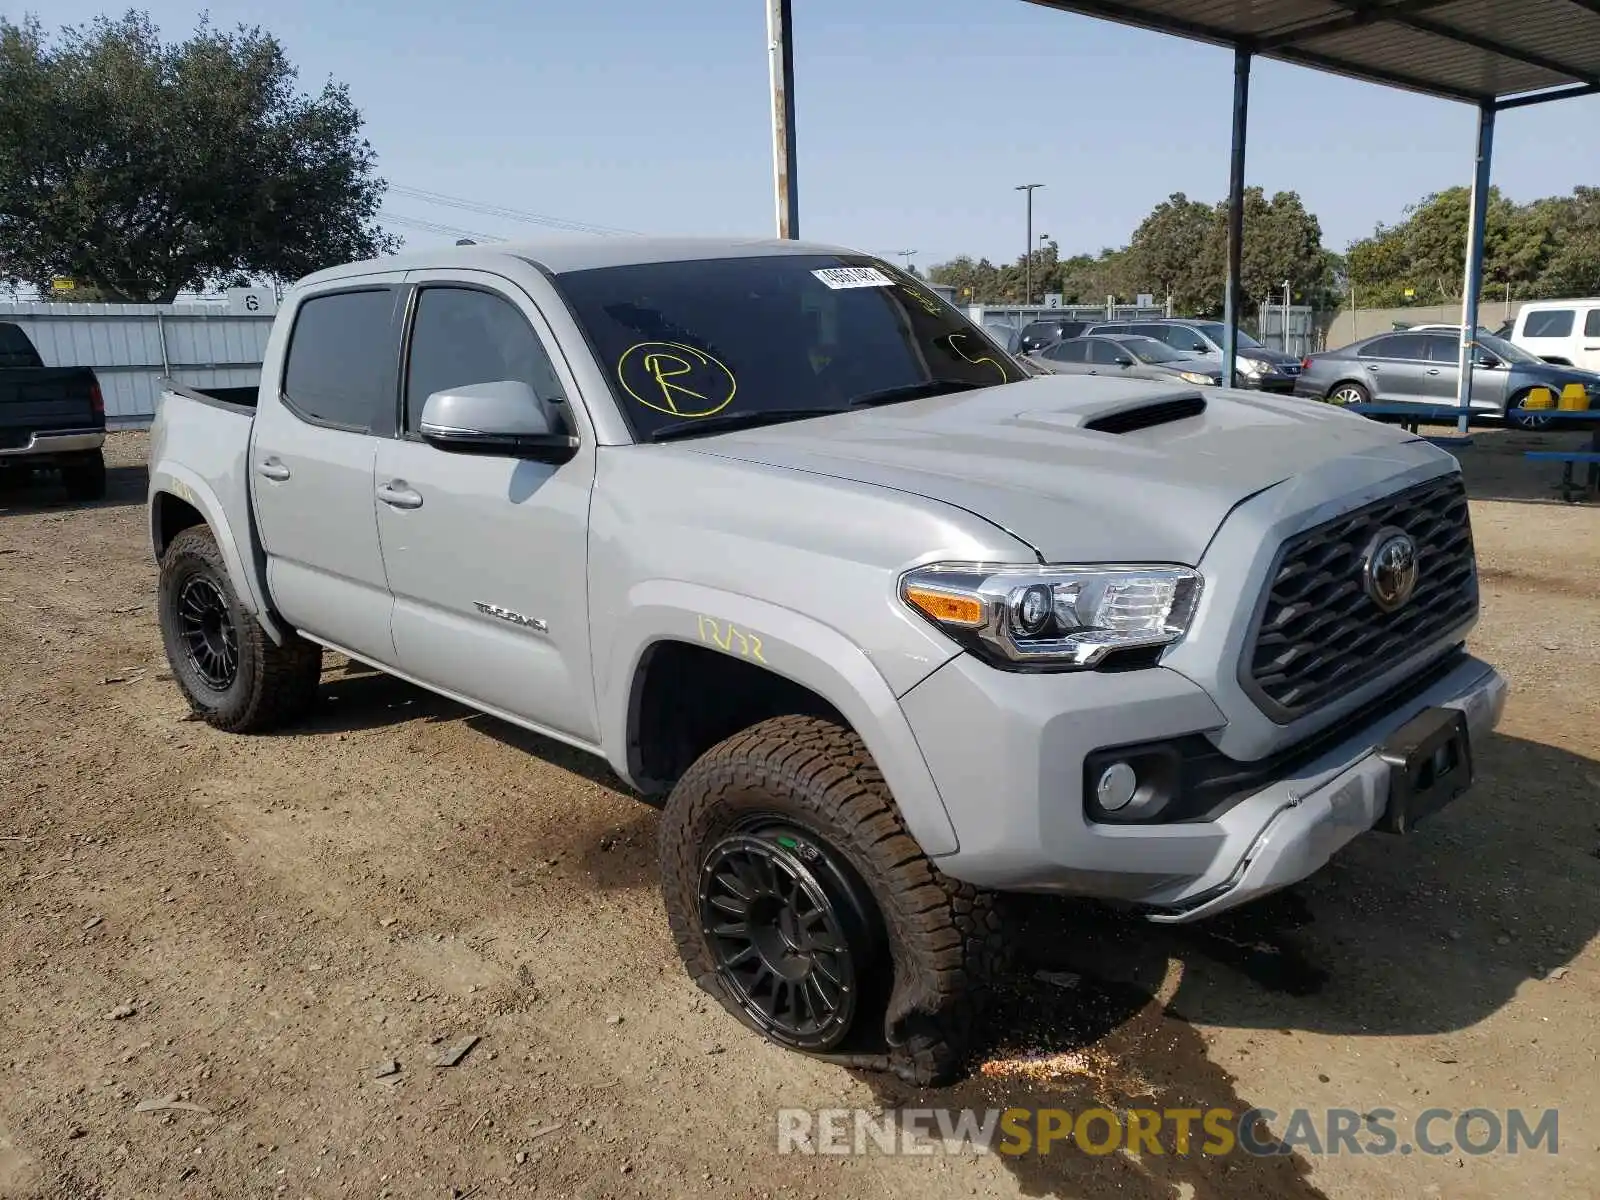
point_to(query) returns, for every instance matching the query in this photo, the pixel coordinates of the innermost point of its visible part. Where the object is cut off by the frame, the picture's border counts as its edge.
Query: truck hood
(1025, 457)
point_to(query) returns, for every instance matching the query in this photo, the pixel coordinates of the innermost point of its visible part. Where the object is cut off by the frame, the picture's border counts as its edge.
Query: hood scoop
(1147, 416)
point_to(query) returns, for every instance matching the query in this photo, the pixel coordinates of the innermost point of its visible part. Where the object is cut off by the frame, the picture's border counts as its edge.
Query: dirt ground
(254, 927)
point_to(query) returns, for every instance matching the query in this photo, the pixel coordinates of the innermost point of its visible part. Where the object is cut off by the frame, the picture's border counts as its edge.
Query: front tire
(232, 674)
(799, 900)
(85, 477)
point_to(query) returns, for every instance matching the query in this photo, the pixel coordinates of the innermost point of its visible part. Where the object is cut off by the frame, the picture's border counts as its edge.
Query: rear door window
(1549, 323)
(1067, 351)
(1409, 346)
(343, 356)
(1591, 324)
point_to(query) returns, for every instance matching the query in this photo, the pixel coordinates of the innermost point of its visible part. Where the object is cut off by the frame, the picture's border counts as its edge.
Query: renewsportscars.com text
(1176, 1131)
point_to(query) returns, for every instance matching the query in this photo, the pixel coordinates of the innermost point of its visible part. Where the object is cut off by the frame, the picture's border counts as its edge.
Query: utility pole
(780, 61)
(1027, 253)
(906, 254)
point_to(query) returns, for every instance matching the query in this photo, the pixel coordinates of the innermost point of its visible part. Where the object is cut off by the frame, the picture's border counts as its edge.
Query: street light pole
(1027, 254)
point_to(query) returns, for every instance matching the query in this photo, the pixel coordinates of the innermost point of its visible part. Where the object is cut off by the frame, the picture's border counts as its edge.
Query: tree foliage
(1548, 248)
(141, 168)
(1180, 249)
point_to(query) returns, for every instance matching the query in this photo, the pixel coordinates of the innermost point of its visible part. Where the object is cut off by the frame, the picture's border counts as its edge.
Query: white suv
(1561, 331)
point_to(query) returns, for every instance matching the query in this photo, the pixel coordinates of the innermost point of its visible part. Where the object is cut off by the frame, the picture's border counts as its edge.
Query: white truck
(888, 626)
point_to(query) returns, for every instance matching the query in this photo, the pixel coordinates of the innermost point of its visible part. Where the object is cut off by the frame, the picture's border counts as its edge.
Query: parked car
(1256, 366)
(50, 417)
(1423, 368)
(886, 626)
(1130, 357)
(1560, 331)
(1036, 335)
(1006, 336)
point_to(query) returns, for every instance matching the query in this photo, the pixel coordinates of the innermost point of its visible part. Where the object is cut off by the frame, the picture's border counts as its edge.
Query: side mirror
(1122, 360)
(1488, 360)
(503, 418)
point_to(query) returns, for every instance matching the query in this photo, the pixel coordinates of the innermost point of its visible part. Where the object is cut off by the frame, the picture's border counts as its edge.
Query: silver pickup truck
(887, 625)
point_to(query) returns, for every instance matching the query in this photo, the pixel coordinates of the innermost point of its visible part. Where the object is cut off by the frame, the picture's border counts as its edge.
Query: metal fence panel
(132, 346)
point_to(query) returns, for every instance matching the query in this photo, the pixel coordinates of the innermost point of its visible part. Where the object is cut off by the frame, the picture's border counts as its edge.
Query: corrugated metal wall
(132, 346)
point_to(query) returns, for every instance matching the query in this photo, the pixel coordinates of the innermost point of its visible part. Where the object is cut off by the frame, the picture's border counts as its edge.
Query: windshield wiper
(915, 391)
(722, 422)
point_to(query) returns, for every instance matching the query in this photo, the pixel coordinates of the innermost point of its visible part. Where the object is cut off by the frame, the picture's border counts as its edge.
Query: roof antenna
(465, 242)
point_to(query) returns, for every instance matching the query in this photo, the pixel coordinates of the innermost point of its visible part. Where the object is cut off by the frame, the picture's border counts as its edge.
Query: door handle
(397, 494)
(1433, 370)
(274, 470)
(1373, 368)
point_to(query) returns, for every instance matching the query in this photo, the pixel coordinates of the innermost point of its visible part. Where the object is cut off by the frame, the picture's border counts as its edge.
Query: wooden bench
(1570, 488)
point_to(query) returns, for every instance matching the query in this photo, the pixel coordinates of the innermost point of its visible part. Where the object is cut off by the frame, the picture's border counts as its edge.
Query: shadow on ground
(1420, 935)
(24, 491)
(1495, 468)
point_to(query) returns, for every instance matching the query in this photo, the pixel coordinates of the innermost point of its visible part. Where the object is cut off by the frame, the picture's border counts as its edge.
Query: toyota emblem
(1389, 569)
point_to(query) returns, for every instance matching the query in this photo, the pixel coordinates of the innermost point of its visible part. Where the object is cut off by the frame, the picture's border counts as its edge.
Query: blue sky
(915, 118)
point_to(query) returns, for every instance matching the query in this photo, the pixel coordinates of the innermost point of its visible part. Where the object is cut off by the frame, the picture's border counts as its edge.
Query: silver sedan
(1131, 356)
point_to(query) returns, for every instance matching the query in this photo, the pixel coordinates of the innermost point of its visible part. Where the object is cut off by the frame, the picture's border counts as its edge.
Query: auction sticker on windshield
(853, 277)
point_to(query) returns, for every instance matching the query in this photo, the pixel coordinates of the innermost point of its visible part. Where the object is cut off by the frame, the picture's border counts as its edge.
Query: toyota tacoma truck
(888, 626)
(50, 417)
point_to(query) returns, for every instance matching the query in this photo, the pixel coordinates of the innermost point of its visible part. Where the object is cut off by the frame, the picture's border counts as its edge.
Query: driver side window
(1104, 352)
(461, 336)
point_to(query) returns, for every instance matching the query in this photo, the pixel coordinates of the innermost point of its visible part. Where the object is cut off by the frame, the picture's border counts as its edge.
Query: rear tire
(1348, 393)
(232, 674)
(871, 955)
(85, 477)
(1526, 418)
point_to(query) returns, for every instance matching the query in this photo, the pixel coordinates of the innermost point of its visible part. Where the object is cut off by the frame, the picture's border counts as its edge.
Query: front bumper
(1007, 752)
(48, 445)
(1280, 385)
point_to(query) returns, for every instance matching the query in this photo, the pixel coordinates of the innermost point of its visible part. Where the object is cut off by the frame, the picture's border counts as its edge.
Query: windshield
(1148, 350)
(772, 337)
(1506, 351)
(1215, 332)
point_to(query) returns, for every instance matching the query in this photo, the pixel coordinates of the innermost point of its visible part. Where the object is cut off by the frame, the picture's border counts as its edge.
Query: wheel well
(171, 516)
(687, 698)
(1339, 383)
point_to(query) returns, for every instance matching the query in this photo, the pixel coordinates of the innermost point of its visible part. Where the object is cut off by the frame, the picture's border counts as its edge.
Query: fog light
(1116, 786)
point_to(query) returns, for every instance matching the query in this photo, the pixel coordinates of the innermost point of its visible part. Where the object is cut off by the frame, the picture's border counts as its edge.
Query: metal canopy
(1477, 51)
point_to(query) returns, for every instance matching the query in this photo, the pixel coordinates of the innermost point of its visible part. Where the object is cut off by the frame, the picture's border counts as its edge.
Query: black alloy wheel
(790, 932)
(205, 624)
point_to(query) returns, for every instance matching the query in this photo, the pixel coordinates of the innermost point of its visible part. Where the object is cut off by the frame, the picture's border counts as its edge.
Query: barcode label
(853, 277)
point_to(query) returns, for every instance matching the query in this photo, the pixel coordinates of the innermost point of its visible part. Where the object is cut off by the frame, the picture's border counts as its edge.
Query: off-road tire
(85, 477)
(945, 941)
(272, 684)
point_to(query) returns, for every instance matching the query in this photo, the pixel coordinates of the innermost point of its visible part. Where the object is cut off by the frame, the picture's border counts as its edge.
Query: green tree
(1172, 251)
(141, 168)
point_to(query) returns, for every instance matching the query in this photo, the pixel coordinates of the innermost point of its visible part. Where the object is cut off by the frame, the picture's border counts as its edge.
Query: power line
(395, 218)
(510, 214)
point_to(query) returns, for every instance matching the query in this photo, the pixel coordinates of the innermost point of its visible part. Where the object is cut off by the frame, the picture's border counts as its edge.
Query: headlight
(1057, 617)
(1194, 377)
(1249, 366)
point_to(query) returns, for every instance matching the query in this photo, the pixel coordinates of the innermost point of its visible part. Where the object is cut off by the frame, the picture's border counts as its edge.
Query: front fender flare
(173, 479)
(796, 647)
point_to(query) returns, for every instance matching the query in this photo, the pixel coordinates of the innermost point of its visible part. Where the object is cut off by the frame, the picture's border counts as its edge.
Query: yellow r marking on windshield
(679, 380)
(664, 367)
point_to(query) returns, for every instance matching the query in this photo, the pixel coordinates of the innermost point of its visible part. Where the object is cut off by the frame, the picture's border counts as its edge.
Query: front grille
(1320, 636)
(1290, 368)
